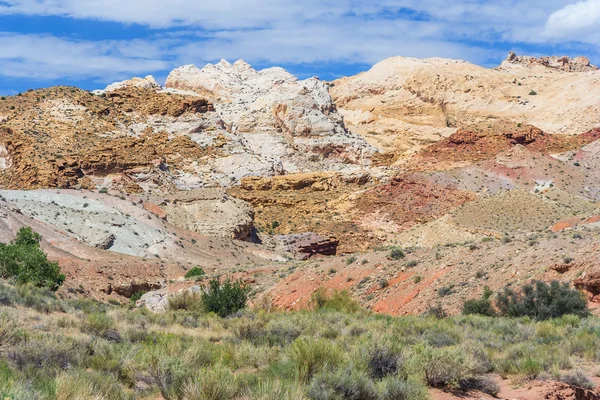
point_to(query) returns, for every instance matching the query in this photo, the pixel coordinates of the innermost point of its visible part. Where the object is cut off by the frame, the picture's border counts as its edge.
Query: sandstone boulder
(157, 301)
(129, 288)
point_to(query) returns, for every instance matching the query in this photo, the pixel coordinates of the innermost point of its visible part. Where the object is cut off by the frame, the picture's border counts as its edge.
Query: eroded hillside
(480, 176)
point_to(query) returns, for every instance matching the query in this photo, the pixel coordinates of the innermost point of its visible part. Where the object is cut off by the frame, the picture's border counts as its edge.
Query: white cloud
(49, 57)
(348, 41)
(228, 14)
(282, 32)
(579, 21)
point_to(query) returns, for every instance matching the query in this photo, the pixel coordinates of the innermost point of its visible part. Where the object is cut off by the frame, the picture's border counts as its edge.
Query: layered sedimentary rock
(211, 212)
(403, 104)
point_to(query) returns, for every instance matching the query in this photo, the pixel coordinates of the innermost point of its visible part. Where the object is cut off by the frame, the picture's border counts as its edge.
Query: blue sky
(91, 43)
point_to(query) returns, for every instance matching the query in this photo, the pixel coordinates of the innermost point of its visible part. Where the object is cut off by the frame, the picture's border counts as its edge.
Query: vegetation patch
(23, 261)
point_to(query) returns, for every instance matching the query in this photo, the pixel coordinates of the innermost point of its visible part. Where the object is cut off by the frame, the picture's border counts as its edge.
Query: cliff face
(280, 115)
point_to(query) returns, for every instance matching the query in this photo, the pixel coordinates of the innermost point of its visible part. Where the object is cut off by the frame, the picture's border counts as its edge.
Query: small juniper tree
(24, 261)
(225, 298)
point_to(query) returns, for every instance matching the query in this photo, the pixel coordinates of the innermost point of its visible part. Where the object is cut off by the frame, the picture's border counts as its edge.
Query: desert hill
(481, 176)
(404, 103)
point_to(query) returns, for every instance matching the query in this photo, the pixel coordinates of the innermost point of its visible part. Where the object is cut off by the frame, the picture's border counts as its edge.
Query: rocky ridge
(560, 63)
(479, 175)
(402, 104)
(276, 112)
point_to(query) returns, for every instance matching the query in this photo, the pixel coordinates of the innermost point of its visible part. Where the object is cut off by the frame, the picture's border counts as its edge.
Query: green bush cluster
(538, 300)
(542, 301)
(396, 253)
(23, 261)
(225, 298)
(481, 306)
(336, 301)
(195, 272)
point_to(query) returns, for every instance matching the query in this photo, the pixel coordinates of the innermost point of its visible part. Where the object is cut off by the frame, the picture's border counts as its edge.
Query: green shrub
(276, 390)
(483, 384)
(542, 301)
(441, 337)
(437, 311)
(444, 367)
(50, 353)
(195, 273)
(396, 389)
(169, 374)
(396, 253)
(8, 331)
(337, 301)
(186, 300)
(225, 298)
(39, 299)
(482, 306)
(88, 385)
(309, 357)
(525, 365)
(98, 324)
(446, 291)
(136, 296)
(282, 332)
(212, 384)
(344, 384)
(578, 379)
(382, 362)
(252, 330)
(351, 260)
(24, 261)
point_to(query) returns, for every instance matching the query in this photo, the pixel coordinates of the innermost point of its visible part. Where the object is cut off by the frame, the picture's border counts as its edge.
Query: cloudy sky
(90, 43)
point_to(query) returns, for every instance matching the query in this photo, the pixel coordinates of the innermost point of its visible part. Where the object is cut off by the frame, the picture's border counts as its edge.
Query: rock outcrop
(560, 63)
(210, 212)
(145, 83)
(590, 284)
(306, 245)
(403, 104)
(480, 143)
(275, 111)
(100, 222)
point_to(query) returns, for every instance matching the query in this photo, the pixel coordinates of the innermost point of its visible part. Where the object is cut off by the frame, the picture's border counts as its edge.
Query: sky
(91, 43)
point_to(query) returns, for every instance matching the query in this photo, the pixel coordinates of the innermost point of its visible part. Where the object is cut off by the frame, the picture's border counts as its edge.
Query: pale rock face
(564, 63)
(111, 225)
(210, 212)
(295, 120)
(145, 83)
(403, 104)
(5, 159)
(157, 301)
